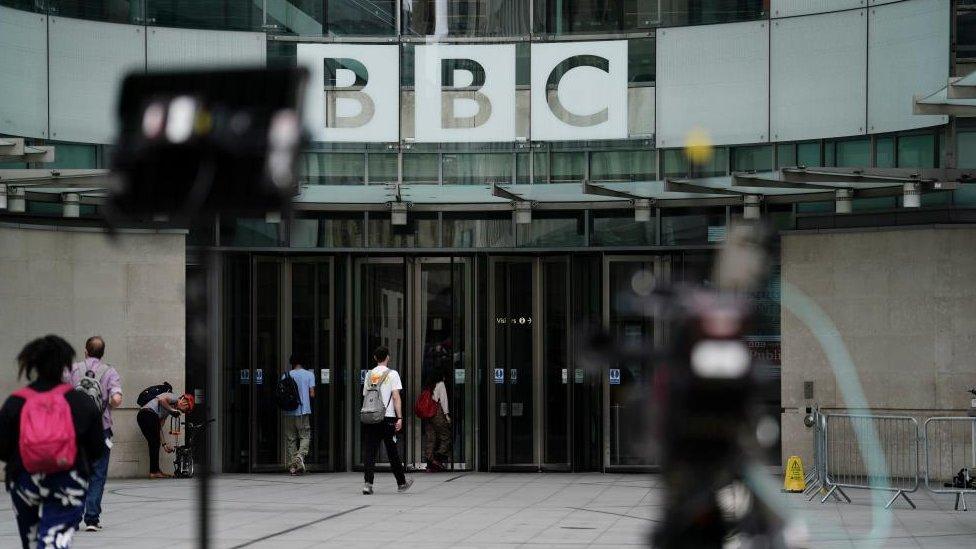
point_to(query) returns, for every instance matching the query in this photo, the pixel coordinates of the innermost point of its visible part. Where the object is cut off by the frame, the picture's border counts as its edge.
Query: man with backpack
(296, 389)
(382, 418)
(101, 382)
(50, 435)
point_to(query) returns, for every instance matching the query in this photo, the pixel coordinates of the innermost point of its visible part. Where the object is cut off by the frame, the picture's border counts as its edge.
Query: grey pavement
(464, 510)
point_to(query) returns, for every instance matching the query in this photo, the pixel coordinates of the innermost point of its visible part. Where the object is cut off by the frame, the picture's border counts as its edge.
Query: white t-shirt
(386, 390)
(440, 396)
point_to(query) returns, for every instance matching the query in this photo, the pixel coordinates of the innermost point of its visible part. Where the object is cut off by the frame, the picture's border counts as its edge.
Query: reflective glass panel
(785, 155)
(808, 154)
(676, 164)
(382, 167)
(74, 156)
(540, 172)
(618, 228)
(477, 168)
(248, 232)
(622, 165)
(360, 17)
(556, 381)
(916, 151)
(567, 166)
(335, 168)
(464, 230)
(328, 230)
(884, 152)
(853, 153)
(244, 15)
(465, 17)
(421, 231)
(595, 16)
(303, 17)
(758, 158)
(552, 229)
(692, 226)
(697, 12)
(630, 316)
(117, 11)
(420, 168)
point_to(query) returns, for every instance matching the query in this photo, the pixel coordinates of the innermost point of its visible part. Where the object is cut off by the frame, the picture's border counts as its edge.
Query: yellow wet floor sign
(794, 479)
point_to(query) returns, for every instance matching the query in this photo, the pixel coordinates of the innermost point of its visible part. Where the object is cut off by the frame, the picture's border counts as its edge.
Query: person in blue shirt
(298, 431)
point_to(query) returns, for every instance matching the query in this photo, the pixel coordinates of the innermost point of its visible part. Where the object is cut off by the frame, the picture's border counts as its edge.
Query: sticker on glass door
(499, 375)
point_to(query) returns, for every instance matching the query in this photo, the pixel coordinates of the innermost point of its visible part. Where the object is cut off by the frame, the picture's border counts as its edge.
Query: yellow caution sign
(794, 480)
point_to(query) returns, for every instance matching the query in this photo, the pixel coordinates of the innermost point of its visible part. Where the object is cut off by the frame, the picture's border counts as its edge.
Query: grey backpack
(91, 384)
(374, 411)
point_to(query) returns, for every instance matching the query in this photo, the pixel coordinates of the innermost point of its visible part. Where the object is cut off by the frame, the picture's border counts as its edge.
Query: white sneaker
(93, 527)
(367, 489)
(405, 486)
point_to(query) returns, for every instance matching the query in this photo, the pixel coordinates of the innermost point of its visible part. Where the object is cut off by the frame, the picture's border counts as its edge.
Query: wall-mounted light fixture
(642, 210)
(71, 205)
(398, 213)
(523, 212)
(751, 206)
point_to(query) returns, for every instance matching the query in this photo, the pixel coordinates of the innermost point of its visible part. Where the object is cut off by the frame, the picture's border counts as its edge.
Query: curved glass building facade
(486, 179)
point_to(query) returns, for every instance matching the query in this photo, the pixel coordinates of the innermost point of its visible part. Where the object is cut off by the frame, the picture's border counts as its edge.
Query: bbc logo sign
(466, 92)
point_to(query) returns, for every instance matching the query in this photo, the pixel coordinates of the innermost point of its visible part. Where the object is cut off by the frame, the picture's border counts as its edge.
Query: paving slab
(470, 510)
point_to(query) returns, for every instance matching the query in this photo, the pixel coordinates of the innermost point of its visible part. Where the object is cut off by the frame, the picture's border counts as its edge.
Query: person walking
(438, 433)
(109, 386)
(387, 382)
(150, 419)
(298, 430)
(50, 437)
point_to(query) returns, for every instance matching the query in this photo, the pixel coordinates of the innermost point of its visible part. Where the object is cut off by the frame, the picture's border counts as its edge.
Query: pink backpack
(47, 432)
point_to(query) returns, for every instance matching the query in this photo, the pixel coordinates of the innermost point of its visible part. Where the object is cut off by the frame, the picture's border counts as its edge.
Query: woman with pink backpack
(50, 435)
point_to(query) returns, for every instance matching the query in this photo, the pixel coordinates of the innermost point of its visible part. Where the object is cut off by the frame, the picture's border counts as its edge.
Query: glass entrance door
(312, 342)
(381, 320)
(292, 309)
(514, 332)
(530, 371)
(628, 441)
(441, 348)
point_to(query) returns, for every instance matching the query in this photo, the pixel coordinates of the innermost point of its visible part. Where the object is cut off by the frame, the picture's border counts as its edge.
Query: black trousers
(372, 435)
(149, 425)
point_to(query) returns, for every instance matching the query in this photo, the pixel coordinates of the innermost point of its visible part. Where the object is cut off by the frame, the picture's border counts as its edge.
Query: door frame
(570, 374)
(354, 387)
(536, 353)
(416, 350)
(660, 266)
(284, 345)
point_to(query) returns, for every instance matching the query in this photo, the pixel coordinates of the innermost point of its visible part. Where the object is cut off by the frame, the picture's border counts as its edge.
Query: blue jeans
(48, 507)
(96, 485)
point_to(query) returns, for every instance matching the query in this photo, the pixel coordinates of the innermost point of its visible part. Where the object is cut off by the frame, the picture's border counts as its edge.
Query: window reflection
(465, 17)
(360, 17)
(595, 16)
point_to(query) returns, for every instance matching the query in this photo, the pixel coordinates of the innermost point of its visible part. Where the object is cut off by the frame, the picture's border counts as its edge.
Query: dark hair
(45, 359)
(295, 359)
(380, 354)
(95, 347)
(435, 375)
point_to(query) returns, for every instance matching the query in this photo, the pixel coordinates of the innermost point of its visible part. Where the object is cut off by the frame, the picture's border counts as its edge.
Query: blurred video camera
(709, 421)
(198, 143)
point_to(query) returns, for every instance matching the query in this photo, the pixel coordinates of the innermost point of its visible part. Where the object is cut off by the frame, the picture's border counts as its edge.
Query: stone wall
(77, 283)
(904, 302)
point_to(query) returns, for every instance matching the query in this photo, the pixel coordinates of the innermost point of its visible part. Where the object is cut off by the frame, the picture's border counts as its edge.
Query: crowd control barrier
(844, 463)
(950, 447)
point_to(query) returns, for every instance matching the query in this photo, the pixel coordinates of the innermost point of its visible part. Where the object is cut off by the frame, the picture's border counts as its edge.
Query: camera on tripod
(199, 143)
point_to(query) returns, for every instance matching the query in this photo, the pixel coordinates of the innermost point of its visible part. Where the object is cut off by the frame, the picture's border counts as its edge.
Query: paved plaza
(461, 510)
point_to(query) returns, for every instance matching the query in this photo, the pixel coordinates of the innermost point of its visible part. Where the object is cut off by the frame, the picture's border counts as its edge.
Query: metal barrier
(817, 477)
(844, 463)
(950, 445)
